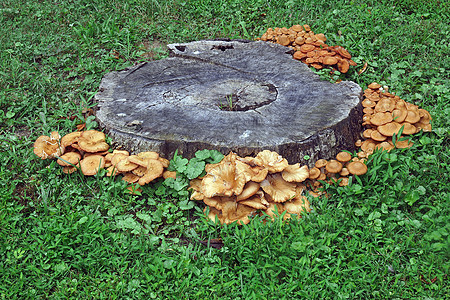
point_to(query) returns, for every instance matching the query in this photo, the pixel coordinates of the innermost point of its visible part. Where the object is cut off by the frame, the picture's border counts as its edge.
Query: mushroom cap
(295, 173)
(47, 147)
(330, 60)
(320, 163)
(297, 205)
(299, 55)
(130, 177)
(385, 105)
(357, 168)
(112, 171)
(344, 172)
(314, 173)
(385, 146)
(259, 173)
(278, 189)
(412, 116)
(92, 141)
(250, 189)
(403, 143)
(399, 115)
(283, 40)
(343, 52)
(381, 118)
(254, 202)
(424, 114)
(71, 157)
(244, 170)
(343, 156)
(307, 48)
(233, 212)
(69, 169)
(216, 202)
(118, 157)
(169, 174)
(138, 160)
(389, 129)
(343, 181)
(164, 161)
(374, 86)
(222, 180)
(92, 164)
(368, 103)
(297, 28)
(377, 136)
(140, 171)
(154, 170)
(343, 66)
(333, 166)
(271, 160)
(213, 213)
(408, 128)
(125, 165)
(70, 138)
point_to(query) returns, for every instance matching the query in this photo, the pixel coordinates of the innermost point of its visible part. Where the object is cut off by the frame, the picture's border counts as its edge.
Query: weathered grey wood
(181, 103)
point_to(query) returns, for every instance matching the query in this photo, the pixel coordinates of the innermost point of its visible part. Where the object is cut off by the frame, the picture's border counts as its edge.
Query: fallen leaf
(363, 69)
(80, 127)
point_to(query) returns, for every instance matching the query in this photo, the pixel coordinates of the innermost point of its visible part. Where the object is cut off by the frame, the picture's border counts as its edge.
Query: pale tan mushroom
(222, 180)
(295, 173)
(47, 147)
(92, 141)
(271, 160)
(154, 170)
(92, 164)
(278, 189)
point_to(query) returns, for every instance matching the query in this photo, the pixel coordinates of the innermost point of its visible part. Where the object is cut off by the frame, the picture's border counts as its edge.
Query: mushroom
(333, 166)
(357, 168)
(92, 141)
(250, 189)
(70, 138)
(233, 212)
(297, 205)
(154, 170)
(343, 156)
(381, 118)
(92, 164)
(125, 165)
(69, 159)
(222, 180)
(277, 188)
(271, 160)
(130, 177)
(295, 173)
(389, 129)
(47, 147)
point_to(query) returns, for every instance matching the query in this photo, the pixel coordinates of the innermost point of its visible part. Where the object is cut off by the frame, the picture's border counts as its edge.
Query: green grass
(385, 236)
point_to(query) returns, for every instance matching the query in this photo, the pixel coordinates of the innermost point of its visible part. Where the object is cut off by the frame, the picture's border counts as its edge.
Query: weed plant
(386, 236)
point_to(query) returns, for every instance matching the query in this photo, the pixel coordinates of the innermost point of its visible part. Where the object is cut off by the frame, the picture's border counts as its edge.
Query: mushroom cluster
(89, 152)
(384, 115)
(335, 170)
(310, 48)
(239, 187)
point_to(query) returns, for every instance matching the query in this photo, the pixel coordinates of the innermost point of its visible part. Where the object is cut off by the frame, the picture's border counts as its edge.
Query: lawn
(77, 237)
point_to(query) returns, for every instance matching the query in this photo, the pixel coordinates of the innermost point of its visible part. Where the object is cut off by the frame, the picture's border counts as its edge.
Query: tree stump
(240, 96)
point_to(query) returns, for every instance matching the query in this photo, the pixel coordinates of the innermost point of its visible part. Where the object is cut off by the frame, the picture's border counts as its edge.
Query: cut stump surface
(233, 95)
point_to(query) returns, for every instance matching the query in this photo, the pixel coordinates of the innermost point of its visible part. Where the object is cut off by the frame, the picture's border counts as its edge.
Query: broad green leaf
(194, 168)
